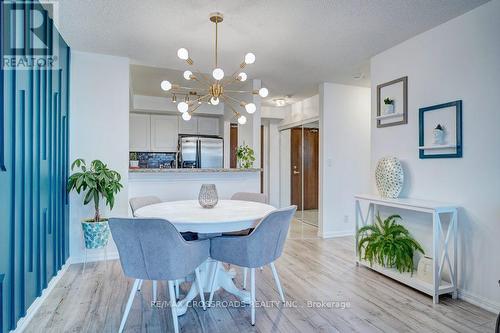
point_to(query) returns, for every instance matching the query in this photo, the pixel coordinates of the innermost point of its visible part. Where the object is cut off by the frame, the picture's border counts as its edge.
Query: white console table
(442, 240)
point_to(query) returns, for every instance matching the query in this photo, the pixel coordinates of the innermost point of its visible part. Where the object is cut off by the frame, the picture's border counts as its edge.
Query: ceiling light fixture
(280, 102)
(214, 89)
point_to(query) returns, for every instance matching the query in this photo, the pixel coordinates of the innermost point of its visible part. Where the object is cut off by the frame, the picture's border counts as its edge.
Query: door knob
(295, 172)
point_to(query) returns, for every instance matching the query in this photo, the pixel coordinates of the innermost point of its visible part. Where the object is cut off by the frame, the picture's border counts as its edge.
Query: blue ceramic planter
(96, 234)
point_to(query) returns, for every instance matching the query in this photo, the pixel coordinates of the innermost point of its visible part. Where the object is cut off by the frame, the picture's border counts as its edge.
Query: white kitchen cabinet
(164, 133)
(188, 127)
(140, 132)
(208, 126)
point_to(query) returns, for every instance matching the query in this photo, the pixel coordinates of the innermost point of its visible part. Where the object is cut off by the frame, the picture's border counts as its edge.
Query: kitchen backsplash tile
(156, 160)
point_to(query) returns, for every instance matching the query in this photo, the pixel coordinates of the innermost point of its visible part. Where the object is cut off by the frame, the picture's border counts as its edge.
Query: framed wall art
(440, 131)
(392, 103)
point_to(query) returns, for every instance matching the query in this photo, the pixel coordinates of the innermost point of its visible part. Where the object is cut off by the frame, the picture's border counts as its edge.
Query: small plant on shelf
(388, 244)
(246, 156)
(389, 105)
(134, 160)
(388, 101)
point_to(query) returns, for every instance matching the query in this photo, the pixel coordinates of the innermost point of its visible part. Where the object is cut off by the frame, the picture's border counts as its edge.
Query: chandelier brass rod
(240, 91)
(204, 77)
(216, 40)
(195, 108)
(230, 106)
(200, 98)
(234, 99)
(188, 88)
(232, 78)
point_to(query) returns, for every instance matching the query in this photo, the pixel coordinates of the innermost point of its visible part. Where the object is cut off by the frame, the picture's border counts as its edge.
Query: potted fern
(388, 244)
(97, 182)
(246, 156)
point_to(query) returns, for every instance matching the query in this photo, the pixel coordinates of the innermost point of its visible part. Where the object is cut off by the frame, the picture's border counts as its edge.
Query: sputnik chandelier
(214, 89)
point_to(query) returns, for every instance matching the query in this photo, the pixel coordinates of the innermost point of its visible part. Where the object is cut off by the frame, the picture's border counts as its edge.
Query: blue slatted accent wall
(34, 114)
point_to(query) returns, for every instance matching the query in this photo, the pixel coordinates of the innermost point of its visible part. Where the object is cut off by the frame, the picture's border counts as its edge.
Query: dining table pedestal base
(224, 280)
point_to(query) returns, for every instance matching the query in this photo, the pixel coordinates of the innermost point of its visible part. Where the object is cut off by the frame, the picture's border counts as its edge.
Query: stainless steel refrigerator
(198, 151)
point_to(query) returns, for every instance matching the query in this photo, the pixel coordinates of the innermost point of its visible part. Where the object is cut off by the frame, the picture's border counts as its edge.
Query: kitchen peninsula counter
(184, 184)
(191, 170)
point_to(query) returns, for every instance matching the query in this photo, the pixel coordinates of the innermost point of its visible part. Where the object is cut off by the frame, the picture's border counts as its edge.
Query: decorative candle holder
(208, 197)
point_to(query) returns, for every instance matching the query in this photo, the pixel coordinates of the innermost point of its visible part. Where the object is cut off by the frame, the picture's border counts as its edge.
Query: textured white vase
(389, 108)
(389, 177)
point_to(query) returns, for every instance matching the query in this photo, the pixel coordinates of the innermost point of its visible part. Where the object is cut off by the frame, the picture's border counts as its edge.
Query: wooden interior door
(296, 167)
(233, 145)
(309, 167)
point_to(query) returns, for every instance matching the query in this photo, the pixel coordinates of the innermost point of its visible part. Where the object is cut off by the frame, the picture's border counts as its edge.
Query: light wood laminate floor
(311, 270)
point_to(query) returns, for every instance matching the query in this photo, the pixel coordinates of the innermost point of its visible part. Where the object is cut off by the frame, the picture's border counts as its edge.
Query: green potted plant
(96, 182)
(246, 156)
(389, 105)
(388, 244)
(134, 160)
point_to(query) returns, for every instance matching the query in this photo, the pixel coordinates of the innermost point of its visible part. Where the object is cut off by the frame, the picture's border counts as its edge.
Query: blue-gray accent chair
(260, 248)
(246, 196)
(153, 249)
(139, 202)
(135, 204)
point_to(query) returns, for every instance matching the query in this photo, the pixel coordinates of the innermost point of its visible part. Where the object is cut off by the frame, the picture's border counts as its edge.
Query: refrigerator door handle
(198, 153)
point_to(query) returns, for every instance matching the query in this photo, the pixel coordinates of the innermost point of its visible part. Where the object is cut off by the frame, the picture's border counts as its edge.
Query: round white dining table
(226, 216)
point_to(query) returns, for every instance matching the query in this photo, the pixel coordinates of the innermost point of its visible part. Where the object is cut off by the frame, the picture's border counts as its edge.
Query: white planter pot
(425, 270)
(438, 137)
(389, 108)
(134, 164)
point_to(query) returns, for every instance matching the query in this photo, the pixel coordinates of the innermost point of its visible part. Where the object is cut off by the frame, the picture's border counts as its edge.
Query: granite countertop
(191, 170)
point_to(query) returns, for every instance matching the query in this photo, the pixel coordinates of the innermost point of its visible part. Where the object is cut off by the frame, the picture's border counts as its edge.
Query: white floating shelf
(390, 115)
(437, 147)
(409, 279)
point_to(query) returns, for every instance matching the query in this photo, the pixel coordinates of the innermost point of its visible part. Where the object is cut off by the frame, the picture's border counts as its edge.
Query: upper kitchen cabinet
(188, 127)
(164, 133)
(140, 132)
(208, 126)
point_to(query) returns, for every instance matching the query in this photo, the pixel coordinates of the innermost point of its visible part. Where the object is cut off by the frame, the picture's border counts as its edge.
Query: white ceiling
(298, 43)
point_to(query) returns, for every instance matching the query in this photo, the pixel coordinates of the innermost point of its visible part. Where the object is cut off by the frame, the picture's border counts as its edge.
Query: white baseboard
(479, 301)
(91, 257)
(23, 322)
(334, 234)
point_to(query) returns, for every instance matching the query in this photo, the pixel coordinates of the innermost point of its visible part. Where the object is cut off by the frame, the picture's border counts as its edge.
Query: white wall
(300, 111)
(285, 167)
(344, 154)
(99, 129)
(457, 60)
(249, 133)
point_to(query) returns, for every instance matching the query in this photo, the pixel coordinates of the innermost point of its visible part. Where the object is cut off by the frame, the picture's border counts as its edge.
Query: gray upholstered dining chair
(139, 202)
(152, 249)
(246, 196)
(262, 247)
(250, 196)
